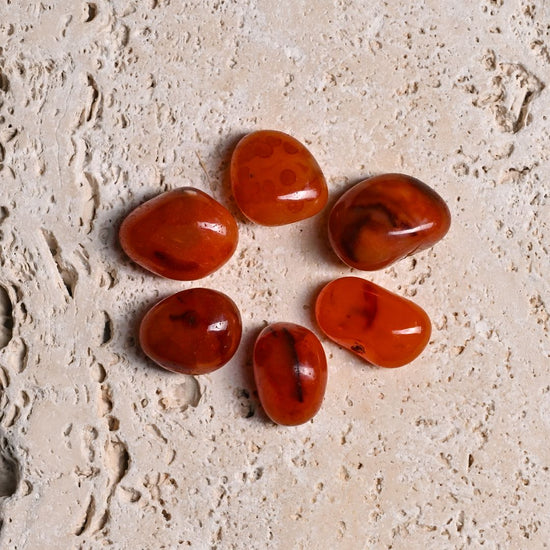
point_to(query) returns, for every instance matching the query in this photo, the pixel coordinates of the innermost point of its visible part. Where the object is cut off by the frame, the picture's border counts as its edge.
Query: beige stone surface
(104, 104)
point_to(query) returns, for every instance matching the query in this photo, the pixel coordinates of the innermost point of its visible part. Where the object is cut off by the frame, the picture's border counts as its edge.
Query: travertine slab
(105, 104)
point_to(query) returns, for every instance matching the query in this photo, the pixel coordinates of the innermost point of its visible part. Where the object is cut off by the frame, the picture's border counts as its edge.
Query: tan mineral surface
(105, 104)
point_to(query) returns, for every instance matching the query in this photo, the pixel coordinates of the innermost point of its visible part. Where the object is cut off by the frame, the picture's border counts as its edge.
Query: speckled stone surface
(106, 104)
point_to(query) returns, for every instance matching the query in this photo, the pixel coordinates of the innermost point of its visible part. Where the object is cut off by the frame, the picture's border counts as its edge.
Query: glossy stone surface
(386, 218)
(275, 179)
(380, 327)
(183, 234)
(195, 331)
(290, 369)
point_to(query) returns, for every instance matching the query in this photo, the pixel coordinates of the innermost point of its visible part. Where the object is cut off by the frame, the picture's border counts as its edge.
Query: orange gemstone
(290, 369)
(372, 322)
(385, 218)
(195, 331)
(275, 179)
(183, 234)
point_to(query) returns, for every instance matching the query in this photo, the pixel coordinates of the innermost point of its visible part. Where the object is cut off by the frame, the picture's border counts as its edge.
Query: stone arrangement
(185, 234)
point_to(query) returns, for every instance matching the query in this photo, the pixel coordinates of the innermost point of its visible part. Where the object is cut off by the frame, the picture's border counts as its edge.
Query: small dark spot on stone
(189, 317)
(287, 177)
(175, 263)
(290, 148)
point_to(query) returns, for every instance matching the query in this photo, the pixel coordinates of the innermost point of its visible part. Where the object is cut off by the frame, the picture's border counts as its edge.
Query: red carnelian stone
(290, 369)
(183, 234)
(385, 218)
(275, 179)
(195, 331)
(372, 322)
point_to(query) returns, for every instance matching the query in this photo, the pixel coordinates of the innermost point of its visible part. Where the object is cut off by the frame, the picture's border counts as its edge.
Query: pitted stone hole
(6, 318)
(67, 272)
(107, 329)
(4, 82)
(180, 396)
(9, 471)
(90, 12)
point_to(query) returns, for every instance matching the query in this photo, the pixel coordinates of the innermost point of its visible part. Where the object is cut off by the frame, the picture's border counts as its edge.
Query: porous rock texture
(105, 104)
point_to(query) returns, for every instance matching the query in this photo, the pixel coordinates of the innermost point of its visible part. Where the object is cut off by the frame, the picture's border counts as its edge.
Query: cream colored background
(104, 105)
